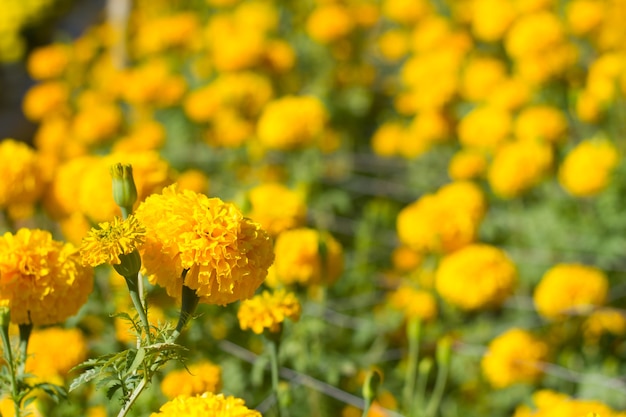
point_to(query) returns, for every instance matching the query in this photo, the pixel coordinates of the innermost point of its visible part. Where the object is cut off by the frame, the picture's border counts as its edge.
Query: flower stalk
(273, 340)
(413, 336)
(5, 318)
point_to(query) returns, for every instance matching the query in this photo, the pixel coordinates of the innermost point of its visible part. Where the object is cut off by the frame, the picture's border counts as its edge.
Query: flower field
(316, 208)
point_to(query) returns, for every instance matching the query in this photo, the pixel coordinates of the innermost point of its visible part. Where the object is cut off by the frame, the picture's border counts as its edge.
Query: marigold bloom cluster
(112, 239)
(276, 207)
(196, 379)
(514, 356)
(414, 302)
(604, 321)
(587, 169)
(476, 277)
(308, 257)
(552, 403)
(53, 351)
(444, 221)
(21, 173)
(268, 311)
(227, 255)
(570, 289)
(43, 281)
(207, 404)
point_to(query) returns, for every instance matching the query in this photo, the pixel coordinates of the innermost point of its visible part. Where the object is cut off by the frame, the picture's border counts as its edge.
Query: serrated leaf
(137, 361)
(84, 378)
(112, 390)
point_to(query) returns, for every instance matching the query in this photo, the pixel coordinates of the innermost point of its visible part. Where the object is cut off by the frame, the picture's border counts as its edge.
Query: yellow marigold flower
(280, 55)
(604, 74)
(226, 254)
(485, 127)
(207, 404)
(145, 136)
(467, 164)
(514, 356)
(518, 166)
(534, 33)
(492, 18)
(45, 100)
(475, 277)
(48, 61)
(481, 77)
(268, 311)
(292, 122)
(229, 129)
(511, 94)
(569, 289)
(444, 221)
(583, 16)
(544, 123)
(308, 257)
(587, 168)
(387, 138)
(53, 351)
(110, 240)
(7, 408)
(551, 403)
(393, 44)
(406, 11)
(329, 22)
(43, 281)
(196, 379)
(194, 180)
(414, 302)
(406, 259)
(603, 321)
(20, 170)
(60, 195)
(96, 123)
(275, 218)
(589, 108)
(156, 35)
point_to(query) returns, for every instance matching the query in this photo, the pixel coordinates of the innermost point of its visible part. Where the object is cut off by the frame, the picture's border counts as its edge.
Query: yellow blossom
(275, 218)
(308, 257)
(481, 77)
(492, 18)
(196, 379)
(514, 356)
(485, 127)
(603, 321)
(414, 302)
(570, 288)
(268, 311)
(329, 22)
(48, 61)
(475, 277)
(406, 11)
(587, 168)
(20, 170)
(110, 240)
(544, 123)
(45, 100)
(207, 404)
(393, 44)
(551, 403)
(226, 255)
(583, 16)
(42, 281)
(53, 351)
(467, 164)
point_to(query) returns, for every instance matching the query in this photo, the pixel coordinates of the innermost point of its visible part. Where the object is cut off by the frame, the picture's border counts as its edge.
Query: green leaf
(137, 361)
(84, 378)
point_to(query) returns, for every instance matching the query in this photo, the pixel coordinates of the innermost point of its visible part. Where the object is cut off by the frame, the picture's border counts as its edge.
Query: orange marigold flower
(22, 179)
(475, 277)
(514, 356)
(207, 404)
(268, 311)
(570, 288)
(42, 280)
(110, 240)
(275, 218)
(226, 254)
(587, 169)
(196, 379)
(48, 61)
(53, 351)
(308, 257)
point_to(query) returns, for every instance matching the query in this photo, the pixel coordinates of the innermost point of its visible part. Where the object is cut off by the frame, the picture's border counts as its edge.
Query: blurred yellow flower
(485, 127)
(492, 18)
(406, 11)
(570, 289)
(405, 259)
(587, 168)
(268, 311)
(603, 321)
(207, 404)
(481, 76)
(476, 277)
(467, 164)
(110, 240)
(307, 257)
(513, 357)
(194, 180)
(393, 44)
(517, 166)
(329, 22)
(551, 403)
(20, 170)
(43, 281)
(583, 16)
(96, 123)
(178, 30)
(226, 255)
(275, 218)
(45, 100)
(292, 122)
(53, 351)
(414, 303)
(545, 123)
(48, 61)
(196, 379)
(387, 139)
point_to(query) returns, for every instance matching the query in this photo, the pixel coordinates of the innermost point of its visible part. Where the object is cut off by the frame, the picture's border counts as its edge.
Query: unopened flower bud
(124, 189)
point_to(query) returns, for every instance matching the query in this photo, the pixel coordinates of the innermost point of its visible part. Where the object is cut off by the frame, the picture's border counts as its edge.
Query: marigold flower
(603, 321)
(544, 123)
(475, 277)
(481, 77)
(570, 288)
(329, 22)
(406, 11)
(196, 379)
(393, 44)
(414, 302)
(513, 357)
(587, 168)
(53, 351)
(207, 404)
(43, 281)
(292, 122)
(110, 240)
(552, 403)
(226, 254)
(275, 218)
(518, 166)
(308, 257)
(45, 99)
(48, 61)
(467, 164)
(387, 138)
(268, 311)
(485, 127)
(492, 18)
(22, 179)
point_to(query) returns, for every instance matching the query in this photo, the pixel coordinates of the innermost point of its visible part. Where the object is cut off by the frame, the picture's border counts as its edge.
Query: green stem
(133, 397)
(440, 384)
(413, 334)
(425, 367)
(273, 347)
(133, 289)
(8, 358)
(25, 331)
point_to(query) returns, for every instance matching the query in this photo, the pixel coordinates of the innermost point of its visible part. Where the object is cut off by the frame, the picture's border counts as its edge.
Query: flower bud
(124, 189)
(129, 265)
